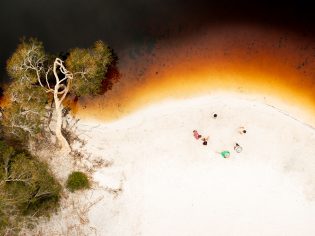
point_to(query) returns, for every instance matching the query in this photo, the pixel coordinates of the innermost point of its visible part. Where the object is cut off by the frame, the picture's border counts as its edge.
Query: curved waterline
(275, 65)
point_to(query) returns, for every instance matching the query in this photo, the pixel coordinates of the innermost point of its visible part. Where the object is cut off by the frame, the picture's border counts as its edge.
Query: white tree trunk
(60, 91)
(59, 96)
(61, 141)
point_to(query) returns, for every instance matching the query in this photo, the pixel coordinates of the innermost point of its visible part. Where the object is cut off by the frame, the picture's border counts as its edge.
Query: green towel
(225, 154)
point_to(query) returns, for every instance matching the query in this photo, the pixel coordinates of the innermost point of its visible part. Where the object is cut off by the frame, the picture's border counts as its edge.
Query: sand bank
(174, 185)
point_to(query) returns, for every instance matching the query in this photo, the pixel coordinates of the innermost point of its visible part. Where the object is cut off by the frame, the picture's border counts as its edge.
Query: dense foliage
(24, 117)
(77, 180)
(27, 188)
(90, 67)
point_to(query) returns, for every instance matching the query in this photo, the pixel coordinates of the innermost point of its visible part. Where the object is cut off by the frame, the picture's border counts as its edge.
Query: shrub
(3, 221)
(77, 180)
(27, 188)
(37, 191)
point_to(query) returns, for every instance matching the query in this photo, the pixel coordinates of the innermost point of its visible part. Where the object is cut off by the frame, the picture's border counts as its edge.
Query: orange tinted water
(245, 60)
(239, 59)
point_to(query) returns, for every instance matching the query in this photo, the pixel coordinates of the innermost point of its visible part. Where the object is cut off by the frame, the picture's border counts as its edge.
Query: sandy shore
(173, 185)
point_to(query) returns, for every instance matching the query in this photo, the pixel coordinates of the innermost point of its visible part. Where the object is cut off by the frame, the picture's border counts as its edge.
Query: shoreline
(299, 114)
(259, 62)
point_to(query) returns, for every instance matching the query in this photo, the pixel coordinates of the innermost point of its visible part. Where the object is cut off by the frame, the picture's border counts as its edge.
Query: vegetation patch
(34, 116)
(27, 189)
(77, 180)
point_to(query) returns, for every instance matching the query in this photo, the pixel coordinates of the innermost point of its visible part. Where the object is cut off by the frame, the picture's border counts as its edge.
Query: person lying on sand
(242, 130)
(225, 154)
(205, 140)
(238, 148)
(196, 134)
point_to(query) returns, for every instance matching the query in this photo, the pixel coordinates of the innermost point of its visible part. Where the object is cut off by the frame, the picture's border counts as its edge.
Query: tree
(39, 78)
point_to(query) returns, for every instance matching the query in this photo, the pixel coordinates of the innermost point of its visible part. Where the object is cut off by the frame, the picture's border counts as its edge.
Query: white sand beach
(173, 185)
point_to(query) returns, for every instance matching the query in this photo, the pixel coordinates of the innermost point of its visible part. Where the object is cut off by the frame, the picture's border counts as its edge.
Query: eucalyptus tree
(39, 79)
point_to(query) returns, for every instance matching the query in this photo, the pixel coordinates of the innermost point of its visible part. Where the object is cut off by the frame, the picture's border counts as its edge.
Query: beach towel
(225, 154)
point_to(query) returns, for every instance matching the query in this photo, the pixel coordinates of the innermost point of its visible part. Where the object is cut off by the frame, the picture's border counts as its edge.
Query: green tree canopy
(24, 117)
(27, 62)
(89, 67)
(27, 187)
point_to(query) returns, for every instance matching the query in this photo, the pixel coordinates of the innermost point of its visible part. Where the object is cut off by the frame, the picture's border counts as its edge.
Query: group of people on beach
(224, 153)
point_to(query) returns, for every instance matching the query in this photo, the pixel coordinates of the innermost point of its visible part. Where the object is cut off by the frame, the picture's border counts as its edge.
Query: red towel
(196, 135)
